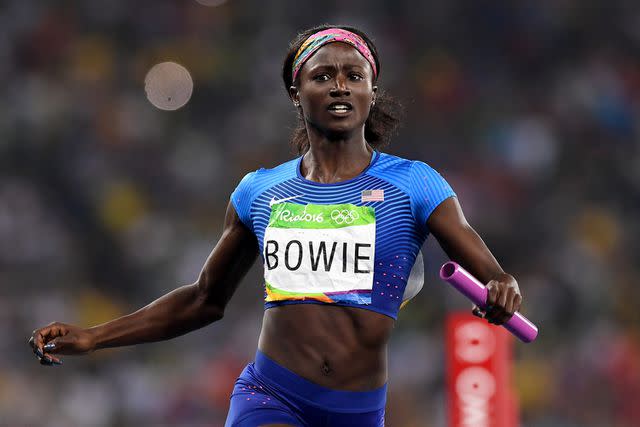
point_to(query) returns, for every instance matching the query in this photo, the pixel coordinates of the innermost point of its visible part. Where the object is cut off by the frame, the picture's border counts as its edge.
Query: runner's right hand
(60, 338)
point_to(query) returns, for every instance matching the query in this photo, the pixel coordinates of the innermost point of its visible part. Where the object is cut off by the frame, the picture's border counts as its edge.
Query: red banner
(479, 358)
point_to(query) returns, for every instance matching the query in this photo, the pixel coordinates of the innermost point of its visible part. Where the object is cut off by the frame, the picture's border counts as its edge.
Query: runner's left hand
(503, 299)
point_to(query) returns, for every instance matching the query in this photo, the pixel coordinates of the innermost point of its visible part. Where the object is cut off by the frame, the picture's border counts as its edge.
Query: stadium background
(530, 109)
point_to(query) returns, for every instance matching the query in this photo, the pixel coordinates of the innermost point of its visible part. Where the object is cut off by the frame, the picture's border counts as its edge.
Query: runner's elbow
(207, 304)
(212, 313)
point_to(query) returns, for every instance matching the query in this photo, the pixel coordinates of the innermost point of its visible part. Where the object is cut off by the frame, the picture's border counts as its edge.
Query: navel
(326, 369)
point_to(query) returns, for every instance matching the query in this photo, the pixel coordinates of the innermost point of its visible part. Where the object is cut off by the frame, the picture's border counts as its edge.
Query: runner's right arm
(183, 310)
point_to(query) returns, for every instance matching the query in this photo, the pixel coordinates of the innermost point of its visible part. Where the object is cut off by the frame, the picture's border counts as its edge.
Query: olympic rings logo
(344, 216)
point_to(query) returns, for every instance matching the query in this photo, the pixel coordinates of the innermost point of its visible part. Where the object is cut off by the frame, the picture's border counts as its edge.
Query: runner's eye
(322, 77)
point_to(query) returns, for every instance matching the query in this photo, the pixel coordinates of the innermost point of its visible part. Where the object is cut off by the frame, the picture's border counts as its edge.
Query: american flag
(372, 196)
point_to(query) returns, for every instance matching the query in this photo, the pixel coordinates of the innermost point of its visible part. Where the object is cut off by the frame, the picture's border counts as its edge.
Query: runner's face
(335, 89)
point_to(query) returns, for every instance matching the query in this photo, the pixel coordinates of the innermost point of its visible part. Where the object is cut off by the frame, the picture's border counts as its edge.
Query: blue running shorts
(267, 393)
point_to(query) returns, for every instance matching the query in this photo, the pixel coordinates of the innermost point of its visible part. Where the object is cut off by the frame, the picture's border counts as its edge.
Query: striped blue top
(350, 243)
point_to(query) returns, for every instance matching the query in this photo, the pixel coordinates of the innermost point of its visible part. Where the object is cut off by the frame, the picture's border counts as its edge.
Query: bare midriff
(341, 348)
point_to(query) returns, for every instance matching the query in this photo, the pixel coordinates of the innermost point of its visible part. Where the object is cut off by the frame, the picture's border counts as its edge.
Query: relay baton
(473, 289)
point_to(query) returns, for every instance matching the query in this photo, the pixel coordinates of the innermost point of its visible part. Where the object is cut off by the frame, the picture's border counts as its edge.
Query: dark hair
(384, 116)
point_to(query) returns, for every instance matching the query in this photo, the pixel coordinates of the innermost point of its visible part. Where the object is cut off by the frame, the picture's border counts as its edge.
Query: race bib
(320, 252)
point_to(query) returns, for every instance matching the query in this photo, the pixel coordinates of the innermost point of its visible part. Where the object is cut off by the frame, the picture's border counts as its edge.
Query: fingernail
(39, 352)
(49, 347)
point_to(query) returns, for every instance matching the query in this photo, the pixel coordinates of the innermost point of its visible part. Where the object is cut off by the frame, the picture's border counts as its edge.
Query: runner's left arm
(462, 244)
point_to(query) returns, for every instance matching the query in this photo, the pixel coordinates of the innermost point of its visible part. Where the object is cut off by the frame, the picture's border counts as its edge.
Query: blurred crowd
(529, 109)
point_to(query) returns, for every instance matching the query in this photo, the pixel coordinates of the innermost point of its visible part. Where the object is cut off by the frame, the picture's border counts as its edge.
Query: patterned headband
(319, 39)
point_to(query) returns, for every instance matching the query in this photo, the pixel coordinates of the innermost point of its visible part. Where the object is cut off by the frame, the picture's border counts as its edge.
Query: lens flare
(168, 86)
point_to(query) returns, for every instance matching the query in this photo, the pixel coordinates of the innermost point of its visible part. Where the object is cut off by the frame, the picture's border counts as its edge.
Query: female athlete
(338, 230)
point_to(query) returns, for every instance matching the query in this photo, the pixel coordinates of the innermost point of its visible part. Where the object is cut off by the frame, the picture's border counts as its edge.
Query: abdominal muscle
(341, 348)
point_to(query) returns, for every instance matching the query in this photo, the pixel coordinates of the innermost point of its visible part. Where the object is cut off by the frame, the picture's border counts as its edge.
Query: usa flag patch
(372, 196)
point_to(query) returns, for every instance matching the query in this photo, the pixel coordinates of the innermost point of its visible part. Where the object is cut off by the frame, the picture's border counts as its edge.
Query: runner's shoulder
(397, 170)
(402, 166)
(395, 164)
(286, 169)
(257, 181)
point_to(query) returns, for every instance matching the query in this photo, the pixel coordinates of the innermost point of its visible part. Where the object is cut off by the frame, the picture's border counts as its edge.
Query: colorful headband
(319, 39)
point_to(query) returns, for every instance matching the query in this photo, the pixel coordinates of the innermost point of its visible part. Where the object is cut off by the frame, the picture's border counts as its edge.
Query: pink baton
(471, 287)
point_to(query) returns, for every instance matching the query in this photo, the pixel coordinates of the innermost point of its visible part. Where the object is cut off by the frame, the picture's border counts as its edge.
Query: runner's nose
(340, 88)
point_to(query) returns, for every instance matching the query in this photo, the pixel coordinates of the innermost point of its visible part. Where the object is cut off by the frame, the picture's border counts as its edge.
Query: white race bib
(320, 252)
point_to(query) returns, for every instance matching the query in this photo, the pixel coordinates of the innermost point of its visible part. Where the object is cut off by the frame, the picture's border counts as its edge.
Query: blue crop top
(352, 243)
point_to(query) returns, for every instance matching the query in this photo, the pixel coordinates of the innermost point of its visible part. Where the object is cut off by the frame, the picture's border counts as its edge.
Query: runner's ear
(294, 94)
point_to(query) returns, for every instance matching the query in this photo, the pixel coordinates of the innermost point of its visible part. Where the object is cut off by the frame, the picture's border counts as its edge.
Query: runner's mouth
(340, 107)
